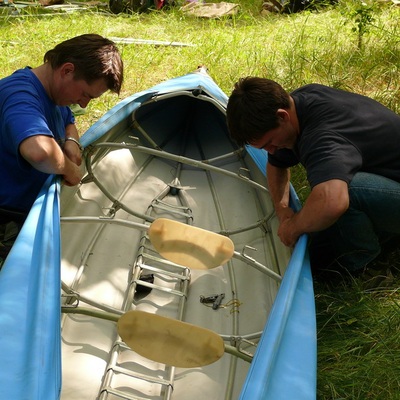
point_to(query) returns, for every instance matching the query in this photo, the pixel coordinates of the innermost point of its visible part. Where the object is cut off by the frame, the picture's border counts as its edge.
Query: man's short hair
(252, 108)
(93, 56)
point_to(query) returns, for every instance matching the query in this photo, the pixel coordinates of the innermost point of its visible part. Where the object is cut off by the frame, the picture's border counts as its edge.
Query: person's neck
(293, 116)
(45, 74)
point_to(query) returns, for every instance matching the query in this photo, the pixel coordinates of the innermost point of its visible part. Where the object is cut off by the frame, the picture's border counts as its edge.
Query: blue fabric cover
(284, 366)
(30, 340)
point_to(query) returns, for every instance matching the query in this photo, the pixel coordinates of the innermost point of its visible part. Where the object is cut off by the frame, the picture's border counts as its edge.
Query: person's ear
(67, 69)
(282, 115)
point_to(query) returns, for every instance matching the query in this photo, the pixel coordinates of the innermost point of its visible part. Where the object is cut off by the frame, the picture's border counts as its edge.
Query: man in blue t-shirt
(347, 143)
(38, 136)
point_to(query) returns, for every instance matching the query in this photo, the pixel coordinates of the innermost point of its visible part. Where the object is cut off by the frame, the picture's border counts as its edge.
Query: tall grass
(358, 327)
(359, 340)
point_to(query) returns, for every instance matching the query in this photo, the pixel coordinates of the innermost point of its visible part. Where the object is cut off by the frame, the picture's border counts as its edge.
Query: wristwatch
(75, 141)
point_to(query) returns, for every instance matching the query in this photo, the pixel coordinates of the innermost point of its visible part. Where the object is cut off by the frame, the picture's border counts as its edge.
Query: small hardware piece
(215, 299)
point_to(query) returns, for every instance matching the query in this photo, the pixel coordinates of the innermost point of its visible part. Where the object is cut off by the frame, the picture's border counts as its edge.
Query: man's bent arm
(324, 206)
(44, 154)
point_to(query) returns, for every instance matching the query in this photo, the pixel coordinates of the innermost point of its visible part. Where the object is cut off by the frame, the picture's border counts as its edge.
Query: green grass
(358, 325)
(359, 340)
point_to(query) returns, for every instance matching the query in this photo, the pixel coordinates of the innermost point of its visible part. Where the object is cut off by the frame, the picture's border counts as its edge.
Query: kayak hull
(166, 153)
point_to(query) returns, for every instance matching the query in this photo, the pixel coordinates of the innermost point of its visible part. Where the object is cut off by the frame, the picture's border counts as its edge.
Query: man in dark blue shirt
(347, 143)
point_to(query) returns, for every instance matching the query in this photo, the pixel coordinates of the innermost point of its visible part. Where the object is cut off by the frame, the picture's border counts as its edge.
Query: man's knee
(350, 243)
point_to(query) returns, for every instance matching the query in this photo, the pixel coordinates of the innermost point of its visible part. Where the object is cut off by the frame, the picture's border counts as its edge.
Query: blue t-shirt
(25, 110)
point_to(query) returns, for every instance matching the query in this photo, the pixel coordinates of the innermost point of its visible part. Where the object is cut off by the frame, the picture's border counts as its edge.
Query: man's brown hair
(252, 108)
(93, 56)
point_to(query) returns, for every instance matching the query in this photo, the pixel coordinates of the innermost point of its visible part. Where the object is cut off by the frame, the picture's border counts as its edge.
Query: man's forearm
(72, 147)
(45, 155)
(278, 185)
(325, 205)
(71, 131)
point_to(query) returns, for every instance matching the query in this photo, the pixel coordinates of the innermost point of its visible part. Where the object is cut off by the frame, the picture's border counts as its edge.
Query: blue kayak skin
(284, 365)
(30, 346)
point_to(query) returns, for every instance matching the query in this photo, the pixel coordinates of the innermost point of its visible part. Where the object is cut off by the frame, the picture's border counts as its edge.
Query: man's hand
(284, 213)
(73, 173)
(287, 232)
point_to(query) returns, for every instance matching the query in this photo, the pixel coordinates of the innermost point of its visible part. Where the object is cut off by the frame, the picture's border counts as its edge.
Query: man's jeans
(372, 218)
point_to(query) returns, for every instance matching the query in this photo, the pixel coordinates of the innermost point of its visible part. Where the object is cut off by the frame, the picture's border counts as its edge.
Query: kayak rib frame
(137, 225)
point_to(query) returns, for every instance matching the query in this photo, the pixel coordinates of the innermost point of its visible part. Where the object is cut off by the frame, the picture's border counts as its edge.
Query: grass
(358, 325)
(359, 340)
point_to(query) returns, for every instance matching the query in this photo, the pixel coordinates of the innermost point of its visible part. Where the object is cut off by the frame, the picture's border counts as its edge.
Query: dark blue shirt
(342, 133)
